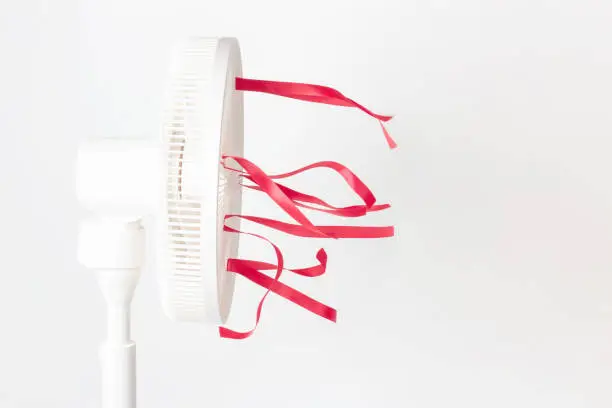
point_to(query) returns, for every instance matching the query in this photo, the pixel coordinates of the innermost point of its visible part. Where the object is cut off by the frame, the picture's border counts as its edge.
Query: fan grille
(204, 118)
(184, 150)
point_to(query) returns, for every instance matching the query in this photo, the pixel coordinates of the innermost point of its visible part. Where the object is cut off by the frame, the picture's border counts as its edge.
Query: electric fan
(177, 188)
(180, 189)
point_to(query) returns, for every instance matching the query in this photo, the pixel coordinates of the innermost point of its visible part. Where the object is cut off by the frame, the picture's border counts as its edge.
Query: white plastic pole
(113, 248)
(118, 352)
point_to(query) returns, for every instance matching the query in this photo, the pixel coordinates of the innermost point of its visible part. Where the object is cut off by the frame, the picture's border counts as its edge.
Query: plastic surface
(113, 249)
(180, 181)
(111, 242)
(204, 119)
(118, 375)
(119, 177)
(182, 185)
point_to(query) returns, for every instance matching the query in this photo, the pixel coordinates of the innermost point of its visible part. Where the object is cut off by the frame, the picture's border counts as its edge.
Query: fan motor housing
(177, 180)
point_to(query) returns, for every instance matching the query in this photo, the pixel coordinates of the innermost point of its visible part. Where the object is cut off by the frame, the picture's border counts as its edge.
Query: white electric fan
(175, 192)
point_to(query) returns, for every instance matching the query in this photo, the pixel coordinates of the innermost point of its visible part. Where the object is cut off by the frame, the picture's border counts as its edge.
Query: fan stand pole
(113, 248)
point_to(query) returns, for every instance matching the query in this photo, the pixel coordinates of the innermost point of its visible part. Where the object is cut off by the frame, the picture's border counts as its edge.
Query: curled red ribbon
(267, 185)
(251, 271)
(231, 334)
(311, 93)
(311, 271)
(289, 200)
(300, 198)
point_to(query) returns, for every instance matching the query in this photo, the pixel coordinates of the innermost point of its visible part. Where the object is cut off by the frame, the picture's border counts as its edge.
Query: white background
(496, 291)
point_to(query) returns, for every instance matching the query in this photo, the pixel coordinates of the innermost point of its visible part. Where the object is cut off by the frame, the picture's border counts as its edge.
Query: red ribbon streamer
(238, 266)
(275, 193)
(354, 182)
(300, 198)
(322, 231)
(311, 93)
(289, 200)
(251, 270)
(310, 272)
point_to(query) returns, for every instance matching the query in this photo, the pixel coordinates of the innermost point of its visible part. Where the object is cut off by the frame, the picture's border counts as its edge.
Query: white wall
(496, 292)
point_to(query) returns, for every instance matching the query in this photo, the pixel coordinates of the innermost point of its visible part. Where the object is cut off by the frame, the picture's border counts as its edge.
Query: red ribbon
(311, 93)
(251, 270)
(231, 334)
(310, 272)
(320, 231)
(300, 198)
(289, 200)
(267, 185)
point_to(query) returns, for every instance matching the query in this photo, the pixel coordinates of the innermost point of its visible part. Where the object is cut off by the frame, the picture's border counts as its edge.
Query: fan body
(176, 188)
(204, 120)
